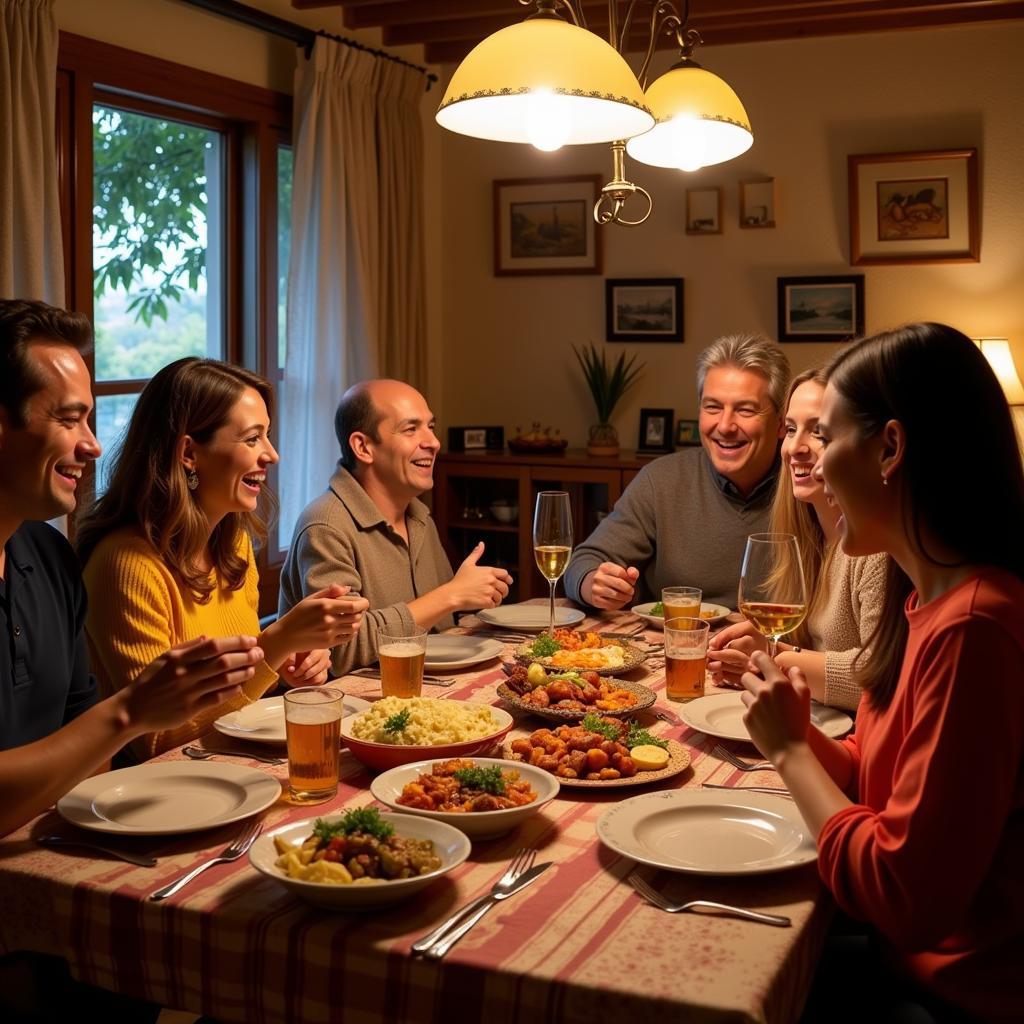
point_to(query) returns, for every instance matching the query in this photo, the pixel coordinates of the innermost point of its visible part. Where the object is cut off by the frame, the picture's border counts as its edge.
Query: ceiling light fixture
(551, 82)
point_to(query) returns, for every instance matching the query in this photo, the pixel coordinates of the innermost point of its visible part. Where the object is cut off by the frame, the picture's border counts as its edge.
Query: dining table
(578, 945)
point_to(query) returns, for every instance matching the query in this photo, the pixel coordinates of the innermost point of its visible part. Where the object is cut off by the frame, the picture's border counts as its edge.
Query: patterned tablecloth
(577, 945)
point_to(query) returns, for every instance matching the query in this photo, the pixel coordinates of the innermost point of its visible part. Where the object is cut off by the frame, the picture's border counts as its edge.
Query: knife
(774, 790)
(374, 673)
(439, 948)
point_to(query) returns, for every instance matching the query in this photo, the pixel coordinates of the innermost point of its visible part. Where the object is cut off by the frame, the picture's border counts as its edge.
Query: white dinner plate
(168, 797)
(447, 651)
(703, 833)
(529, 617)
(721, 715)
(263, 720)
(713, 613)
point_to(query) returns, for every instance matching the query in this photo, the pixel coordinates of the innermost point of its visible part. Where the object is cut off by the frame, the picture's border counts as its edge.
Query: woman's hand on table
(306, 668)
(729, 652)
(778, 707)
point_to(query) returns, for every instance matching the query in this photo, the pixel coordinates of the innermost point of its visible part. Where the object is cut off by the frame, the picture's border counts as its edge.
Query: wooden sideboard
(467, 484)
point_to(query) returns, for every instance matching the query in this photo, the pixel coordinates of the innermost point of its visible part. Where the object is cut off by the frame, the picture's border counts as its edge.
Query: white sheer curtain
(355, 280)
(31, 250)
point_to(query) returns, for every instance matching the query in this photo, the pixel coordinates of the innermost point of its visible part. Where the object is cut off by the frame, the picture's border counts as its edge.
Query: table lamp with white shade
(1000, 357)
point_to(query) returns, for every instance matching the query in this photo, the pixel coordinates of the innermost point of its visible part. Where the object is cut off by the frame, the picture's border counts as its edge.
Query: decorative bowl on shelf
(504, 511)
(536, 440)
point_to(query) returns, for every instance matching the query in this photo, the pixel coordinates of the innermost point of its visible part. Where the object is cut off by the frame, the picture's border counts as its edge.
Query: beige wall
(507, 341)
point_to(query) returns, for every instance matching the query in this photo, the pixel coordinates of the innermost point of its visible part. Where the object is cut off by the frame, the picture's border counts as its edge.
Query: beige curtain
(31, 250)
(355, 279)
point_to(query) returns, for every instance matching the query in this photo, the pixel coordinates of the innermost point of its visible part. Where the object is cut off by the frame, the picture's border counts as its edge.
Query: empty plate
(263, 720)
(168, 797)
(447, 651)
(734, 833)
(721, 715)
(530, 617)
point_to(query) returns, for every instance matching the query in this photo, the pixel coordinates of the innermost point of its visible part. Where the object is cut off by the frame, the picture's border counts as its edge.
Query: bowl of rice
(399, 730)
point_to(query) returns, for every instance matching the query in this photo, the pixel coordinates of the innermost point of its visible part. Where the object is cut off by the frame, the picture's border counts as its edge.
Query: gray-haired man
(684, 520)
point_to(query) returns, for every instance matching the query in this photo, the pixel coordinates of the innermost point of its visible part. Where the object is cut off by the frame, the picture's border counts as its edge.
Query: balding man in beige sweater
(369, 531)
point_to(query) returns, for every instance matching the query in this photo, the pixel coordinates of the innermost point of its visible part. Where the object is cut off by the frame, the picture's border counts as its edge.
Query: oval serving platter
(632, 657)
(645, 697)
(678, 762)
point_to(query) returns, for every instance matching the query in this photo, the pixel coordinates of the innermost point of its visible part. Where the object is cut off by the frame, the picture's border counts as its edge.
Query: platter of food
(653, 613)
(359, 859)
(600, 753)
(483, 797)
(568, 696)
(399, 730)
(582, 651)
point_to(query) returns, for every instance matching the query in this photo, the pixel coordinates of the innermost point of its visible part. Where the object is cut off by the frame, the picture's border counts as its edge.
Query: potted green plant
(607, 385)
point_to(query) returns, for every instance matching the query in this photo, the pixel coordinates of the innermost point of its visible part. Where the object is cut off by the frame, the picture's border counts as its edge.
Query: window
(282, 531)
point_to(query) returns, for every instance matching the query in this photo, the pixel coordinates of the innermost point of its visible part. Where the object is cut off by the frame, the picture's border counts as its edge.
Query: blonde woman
(845, 593)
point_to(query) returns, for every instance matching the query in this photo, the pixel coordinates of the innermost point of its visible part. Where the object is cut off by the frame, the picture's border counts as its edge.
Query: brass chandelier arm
(618, 191)
(664, 15)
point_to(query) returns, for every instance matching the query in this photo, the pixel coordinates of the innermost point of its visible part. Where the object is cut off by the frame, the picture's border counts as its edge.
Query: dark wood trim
(154, 108)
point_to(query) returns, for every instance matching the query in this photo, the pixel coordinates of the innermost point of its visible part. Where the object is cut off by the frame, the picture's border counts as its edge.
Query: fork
(744, 766)
(521, 863)
(238, 846)
(656, 899)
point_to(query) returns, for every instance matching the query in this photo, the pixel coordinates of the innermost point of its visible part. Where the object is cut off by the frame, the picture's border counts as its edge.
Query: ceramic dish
(449, 651)
(632, 657)
(678, 762)
(381, 756)
(721, 715)
(451, 846)
(529, 618)
(263, 720)
(387, 788)
(702, 833)
(168, 797)
(644, 699)
(712, 613)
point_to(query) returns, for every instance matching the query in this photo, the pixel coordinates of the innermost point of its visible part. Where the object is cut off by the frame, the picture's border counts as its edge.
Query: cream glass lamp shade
(547, 83)
(1000, 358)
(700, 121)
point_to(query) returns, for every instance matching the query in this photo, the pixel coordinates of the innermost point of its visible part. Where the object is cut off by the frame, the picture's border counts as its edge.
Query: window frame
(254, 121)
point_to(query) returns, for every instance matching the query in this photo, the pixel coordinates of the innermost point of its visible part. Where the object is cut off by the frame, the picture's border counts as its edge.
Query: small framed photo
(703, 211)
(757, 203)
(656, 431)
(644, 309)
(821, 308)
(914, 207)
(687, 433)
(546, 225)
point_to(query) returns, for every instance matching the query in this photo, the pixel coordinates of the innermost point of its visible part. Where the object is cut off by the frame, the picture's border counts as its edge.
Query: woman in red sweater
(919, 816)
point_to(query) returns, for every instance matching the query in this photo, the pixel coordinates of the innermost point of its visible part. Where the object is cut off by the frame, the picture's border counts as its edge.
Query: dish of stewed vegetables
(462, 786)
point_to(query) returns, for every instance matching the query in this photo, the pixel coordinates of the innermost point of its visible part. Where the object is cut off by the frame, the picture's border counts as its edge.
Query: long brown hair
(917, 375)
(147, 486)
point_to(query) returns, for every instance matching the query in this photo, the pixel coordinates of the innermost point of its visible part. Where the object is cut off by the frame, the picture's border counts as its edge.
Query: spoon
(205, 753)
(131, 858)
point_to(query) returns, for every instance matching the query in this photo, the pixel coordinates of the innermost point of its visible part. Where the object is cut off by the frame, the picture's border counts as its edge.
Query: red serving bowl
(382, 756)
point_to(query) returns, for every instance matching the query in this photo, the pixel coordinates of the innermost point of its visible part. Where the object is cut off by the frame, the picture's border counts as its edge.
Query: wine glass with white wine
(773, 592)
(552, 542)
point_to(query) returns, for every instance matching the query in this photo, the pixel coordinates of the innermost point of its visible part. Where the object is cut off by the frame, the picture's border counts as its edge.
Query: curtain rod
(298, 34)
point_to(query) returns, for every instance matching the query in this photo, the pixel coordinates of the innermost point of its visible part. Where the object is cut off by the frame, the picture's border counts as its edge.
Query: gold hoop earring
(192, 479)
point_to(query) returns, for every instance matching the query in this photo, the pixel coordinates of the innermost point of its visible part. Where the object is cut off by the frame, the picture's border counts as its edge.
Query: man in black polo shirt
(53, 733)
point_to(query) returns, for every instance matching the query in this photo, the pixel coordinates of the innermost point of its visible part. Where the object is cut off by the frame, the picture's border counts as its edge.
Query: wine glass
(552, 542)
(773, 593)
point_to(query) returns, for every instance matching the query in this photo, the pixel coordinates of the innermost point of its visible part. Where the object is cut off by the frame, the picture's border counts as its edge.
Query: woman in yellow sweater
(167, 551)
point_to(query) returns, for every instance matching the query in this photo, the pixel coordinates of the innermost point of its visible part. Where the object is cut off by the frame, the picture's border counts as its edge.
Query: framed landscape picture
(644, 309)
(914, 207)
(546, 225)
(703, 211)
(821, 308)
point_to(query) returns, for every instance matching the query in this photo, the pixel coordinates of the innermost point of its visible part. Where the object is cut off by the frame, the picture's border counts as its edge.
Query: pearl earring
(192, 479)
(885, 480)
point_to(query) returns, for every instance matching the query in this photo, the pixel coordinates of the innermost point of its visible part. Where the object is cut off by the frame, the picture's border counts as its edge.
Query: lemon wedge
(649, 758)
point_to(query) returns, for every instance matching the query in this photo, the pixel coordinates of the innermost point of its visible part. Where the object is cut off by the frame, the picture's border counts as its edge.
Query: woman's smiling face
(801, 443)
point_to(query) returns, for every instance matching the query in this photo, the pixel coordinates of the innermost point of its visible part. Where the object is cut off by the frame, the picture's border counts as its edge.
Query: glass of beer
(686, 657)
(681, 602)
(312, 719)
(401, 655)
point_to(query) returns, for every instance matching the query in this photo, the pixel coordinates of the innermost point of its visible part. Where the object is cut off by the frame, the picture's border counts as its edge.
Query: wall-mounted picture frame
(757, 203)
(546, 225)
(656, 431)
(704, 211)
(687, 433)
(829, 308)
(644, 309)
(919, 207)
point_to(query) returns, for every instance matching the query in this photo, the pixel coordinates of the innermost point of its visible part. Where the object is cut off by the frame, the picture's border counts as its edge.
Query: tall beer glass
(686, 657)
(681, 602)
(401, 657)
(552, 542)
(312, 718)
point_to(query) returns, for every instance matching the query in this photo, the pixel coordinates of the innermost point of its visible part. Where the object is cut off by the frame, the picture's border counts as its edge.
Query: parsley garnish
(489, 779)
(638, 737)
(657, 609)
(593, 723)
(362, 819)
(544, 646)
(398, 722)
